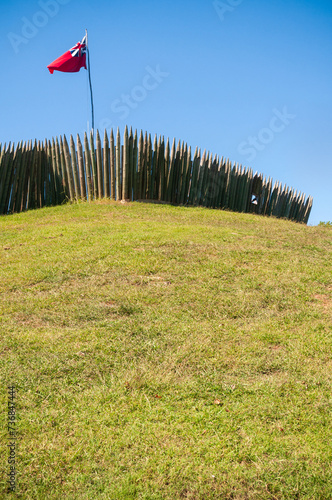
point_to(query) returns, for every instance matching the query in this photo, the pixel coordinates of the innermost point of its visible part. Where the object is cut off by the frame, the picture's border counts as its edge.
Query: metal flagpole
(88, 54)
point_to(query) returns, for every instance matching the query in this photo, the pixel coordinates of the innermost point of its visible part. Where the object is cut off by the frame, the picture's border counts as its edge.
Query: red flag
(72, 60)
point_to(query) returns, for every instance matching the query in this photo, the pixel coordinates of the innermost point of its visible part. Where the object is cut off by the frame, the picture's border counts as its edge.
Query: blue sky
(246, 79)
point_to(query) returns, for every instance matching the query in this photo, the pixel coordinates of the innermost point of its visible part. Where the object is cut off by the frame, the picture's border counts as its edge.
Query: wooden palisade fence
(52, 172)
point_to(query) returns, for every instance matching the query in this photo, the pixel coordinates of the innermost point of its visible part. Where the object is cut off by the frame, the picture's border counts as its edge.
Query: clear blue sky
(250, 80)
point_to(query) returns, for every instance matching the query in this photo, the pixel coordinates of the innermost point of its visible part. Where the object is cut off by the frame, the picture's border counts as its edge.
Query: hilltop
(166, 352)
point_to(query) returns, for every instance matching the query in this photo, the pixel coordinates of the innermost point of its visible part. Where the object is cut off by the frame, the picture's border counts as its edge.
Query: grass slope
(166, 353)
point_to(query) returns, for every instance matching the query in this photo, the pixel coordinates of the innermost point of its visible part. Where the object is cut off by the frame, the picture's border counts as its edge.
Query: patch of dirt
(325, 301)
(5, 349)
(276, 347)
(110, 303)
(149, 280)
(52, 237)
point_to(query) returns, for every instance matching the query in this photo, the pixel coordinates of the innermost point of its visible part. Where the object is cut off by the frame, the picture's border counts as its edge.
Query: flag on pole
(72, 60)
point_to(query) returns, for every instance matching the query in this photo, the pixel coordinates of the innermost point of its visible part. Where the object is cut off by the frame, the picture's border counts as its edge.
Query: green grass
(166, 353)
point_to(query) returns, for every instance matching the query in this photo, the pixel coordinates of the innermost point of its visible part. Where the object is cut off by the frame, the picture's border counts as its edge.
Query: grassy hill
(166, 352)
